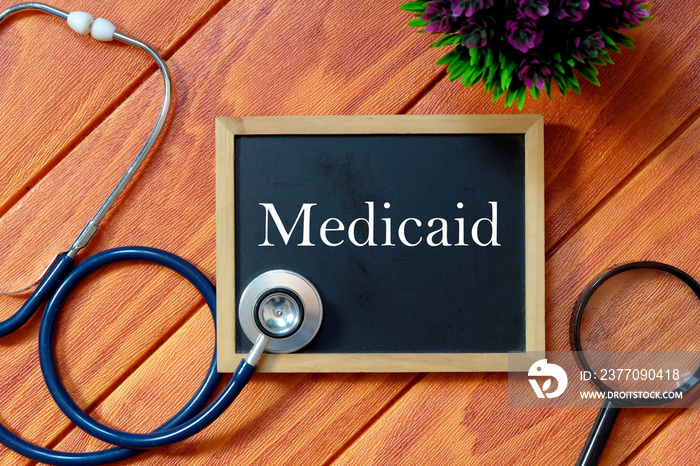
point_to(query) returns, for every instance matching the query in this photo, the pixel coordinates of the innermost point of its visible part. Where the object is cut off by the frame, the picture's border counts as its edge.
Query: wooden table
(622, 171)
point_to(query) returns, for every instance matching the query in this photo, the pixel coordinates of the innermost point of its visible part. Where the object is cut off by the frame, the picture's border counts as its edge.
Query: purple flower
(626, 13)
(475, 33)
(587, 44)
(533, 71)
(572, 9)
(533, 8)
(522, 33)
(439, 16)
(469, 7)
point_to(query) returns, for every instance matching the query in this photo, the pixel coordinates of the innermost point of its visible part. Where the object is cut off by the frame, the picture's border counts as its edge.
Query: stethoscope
(280, 310)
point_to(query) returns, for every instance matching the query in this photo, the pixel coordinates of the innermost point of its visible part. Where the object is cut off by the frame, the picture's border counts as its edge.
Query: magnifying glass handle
(51, 281)
(595, 443)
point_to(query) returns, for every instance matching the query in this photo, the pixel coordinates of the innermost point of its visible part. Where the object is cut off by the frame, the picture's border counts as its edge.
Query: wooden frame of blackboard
(531, 126)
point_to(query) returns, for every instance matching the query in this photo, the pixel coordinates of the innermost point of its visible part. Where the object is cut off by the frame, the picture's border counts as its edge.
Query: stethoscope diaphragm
(282, 305)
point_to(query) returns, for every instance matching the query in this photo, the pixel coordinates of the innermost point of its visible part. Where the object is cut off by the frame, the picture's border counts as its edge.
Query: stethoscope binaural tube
(278, 318)
(101, 30)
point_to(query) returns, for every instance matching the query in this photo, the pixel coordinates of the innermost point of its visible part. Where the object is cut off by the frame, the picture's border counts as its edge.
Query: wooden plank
(188, 138)
(644, 97)
(466, 419)
(302, 421)
(50, 100)
(673, 444)
(222, 70)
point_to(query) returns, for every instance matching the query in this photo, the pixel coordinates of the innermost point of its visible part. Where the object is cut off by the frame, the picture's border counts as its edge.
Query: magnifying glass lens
(638, 331)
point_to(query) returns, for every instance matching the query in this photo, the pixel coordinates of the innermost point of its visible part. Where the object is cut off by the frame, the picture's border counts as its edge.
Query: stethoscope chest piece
(282, 305)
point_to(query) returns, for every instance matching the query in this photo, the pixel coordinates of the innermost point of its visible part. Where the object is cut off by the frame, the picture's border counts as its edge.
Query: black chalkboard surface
(423, 236)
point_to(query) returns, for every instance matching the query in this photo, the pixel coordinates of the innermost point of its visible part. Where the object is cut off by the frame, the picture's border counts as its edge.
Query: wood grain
(302, 420)
(672, 443)
(51, 100)
(593, 142)
(171, 202)
(274, 57)
(466, 418)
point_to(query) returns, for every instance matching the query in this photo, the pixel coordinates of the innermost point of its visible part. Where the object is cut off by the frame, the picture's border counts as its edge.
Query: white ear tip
(80, 22)
(103, 30)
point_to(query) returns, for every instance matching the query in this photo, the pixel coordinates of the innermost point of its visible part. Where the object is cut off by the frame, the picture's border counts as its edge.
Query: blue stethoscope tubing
(61, 278)
(192, 418)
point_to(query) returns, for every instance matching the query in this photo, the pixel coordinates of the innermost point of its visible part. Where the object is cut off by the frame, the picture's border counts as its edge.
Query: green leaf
(490, 76)
(498, 92)
(613, 48)
(447, 58)
(597, 61)
(535, 92)
(472, 80)
(588, 74)
(507, 69)
(460, 74)
(562, 88)
(557, 56)
(522, 92)
(417, 6)
(510, 98)
(606, 38)
(453, 65)
(458, 68)
(474, 56)
(622, 39)
(506, 78)
(469, 79)
(448, 39)
(563, 81)
(607, 58)
(489, 57)
(417, 23)
(548, 86)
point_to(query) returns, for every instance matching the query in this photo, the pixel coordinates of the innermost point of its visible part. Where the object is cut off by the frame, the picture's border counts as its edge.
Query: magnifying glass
(634, 332)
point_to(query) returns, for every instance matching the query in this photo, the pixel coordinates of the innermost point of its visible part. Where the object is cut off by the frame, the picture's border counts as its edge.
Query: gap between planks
(129, 90)
(97, 121)
(650, 438)
(657, 151)
(410, 103)
(680, 129)
(139, 362)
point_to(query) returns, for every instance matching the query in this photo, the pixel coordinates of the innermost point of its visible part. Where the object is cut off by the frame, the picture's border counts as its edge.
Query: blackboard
(422, 234)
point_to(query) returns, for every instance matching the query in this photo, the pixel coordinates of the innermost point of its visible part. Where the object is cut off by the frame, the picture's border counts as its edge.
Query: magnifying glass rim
(576, 326)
